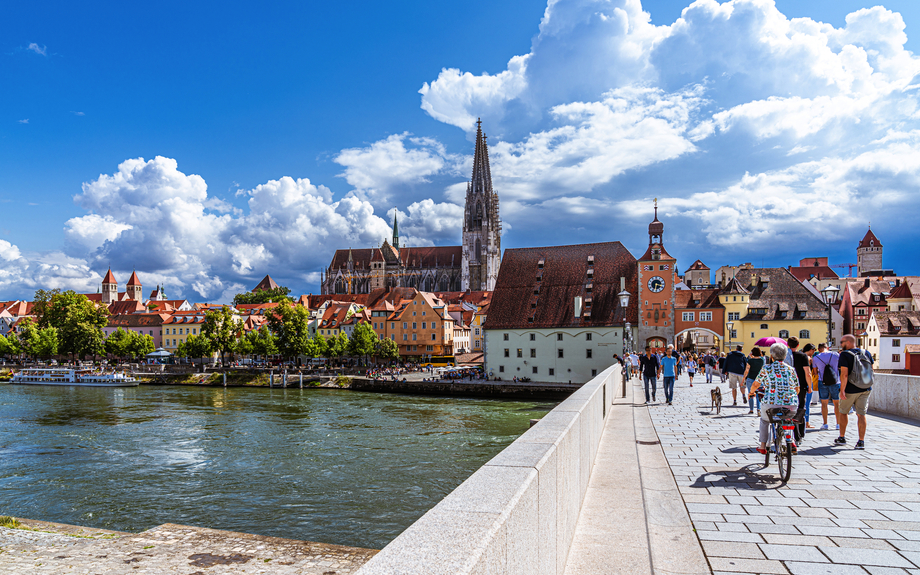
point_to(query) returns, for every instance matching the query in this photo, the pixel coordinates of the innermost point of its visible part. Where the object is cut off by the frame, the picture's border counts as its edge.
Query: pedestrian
(779, 382)
(668, 370)
(754, 364)
(709, 361)
(634, 363)
(856, 386)
(825, 364)
(721, 366)
(734, 365)
(809, 350)
(651, 369)
(803, 372)
(691, 370)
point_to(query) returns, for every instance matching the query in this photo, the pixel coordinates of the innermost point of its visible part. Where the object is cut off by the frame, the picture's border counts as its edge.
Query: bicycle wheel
(785, 467)
(779, 445)
(766, 457)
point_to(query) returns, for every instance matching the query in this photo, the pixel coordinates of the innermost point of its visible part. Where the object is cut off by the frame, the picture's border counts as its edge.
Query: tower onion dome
(656, 228)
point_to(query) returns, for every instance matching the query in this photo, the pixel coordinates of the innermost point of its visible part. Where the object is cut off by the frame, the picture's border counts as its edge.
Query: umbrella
(768, 341)
(159, 353)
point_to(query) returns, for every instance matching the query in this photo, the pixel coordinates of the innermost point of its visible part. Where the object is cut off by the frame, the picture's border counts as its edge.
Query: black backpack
(829, 377)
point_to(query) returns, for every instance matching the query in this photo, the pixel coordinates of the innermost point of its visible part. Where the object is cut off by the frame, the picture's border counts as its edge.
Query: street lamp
(624, 303)
(728, 343)
(830, 298)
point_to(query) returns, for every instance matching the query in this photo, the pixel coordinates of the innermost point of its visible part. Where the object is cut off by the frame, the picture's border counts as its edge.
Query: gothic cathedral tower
(482, 250)
(657, 279)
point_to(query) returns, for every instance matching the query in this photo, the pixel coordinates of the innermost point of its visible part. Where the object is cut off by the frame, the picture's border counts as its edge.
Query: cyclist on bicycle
(781, 388)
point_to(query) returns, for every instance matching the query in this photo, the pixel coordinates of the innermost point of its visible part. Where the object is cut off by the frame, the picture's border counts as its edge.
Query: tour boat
(82, 377)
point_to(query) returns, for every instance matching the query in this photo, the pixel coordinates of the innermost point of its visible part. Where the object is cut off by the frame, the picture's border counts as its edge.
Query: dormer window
(656, 254)
(540, 264)
(590, 272)
(590, 259)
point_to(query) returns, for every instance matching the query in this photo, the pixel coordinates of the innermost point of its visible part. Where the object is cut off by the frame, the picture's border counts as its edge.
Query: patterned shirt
(779, 382)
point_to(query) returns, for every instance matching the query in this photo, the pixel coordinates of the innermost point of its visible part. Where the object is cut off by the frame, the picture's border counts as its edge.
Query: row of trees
(286, 333)
(44, 343)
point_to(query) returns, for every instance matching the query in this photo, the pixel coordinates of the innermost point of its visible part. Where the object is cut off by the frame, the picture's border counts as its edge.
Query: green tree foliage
(291, 326)
(196, 346)
(387, 349)
(337, 346)
(9, 345)
(48, 343)
(263, 341)
(363, 340)
(117, 343)
(78, 321)
(318, 346)
(222, 329)
(38, 343)
(28, 337)
(41, 304)
(278, 294)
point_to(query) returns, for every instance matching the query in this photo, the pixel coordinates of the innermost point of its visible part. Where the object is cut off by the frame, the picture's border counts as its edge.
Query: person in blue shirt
(668, 371)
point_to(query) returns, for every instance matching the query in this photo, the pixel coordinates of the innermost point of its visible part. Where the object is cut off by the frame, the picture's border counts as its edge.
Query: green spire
(395, 230)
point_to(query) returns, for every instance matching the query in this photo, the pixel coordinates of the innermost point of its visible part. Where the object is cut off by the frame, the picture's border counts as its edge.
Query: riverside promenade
(843, 511)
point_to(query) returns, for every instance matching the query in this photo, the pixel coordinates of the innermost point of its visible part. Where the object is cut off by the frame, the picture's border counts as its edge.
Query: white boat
(82, 377)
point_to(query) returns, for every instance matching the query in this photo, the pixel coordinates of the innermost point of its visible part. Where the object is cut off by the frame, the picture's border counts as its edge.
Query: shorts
(828, 392)
(858, 400)
(735, 381)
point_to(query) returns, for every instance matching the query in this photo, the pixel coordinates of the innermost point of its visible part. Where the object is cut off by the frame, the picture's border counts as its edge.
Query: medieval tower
(869, 255)
(481, 224)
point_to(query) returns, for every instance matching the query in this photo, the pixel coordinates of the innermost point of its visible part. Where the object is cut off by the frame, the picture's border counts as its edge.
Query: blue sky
(272, 136)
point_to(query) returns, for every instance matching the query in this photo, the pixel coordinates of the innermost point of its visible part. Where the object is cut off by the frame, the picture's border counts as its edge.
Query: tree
(363, 340)
(28, 337)
(263, 341)
(337, 346)
(117, 343)
(9, 345)
(318, 346)
(387, 349)
(41, 304)
(47, 344)
(222, 329)
(197, 346)
(278, 294)
(79, 322)
(139, 344)
(291, 326)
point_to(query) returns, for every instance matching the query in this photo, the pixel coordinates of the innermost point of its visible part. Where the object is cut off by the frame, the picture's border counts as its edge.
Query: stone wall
(896, 395)
(517, 513)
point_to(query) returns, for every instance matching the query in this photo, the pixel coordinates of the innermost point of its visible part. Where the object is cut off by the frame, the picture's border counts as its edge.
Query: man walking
(856, 386)
(709, 361)
(825, 363)
(803, 372)
(669, 369)
(651, 369)
(734, 366)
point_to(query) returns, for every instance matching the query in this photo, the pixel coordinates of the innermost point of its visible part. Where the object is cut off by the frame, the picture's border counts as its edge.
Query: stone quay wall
(517, 513)
(896, 395)
(476, 388)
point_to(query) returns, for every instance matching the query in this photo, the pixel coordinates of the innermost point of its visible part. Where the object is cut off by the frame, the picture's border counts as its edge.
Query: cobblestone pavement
(168, 549)
(843, 512)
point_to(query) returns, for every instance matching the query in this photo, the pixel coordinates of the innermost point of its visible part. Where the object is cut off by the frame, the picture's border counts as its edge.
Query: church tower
(657, 281)
(134, 288)
(869, 254)
(482, 227)
(109, 288)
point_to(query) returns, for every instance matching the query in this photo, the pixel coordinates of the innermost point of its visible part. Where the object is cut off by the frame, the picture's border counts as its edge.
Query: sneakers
(840, 441)
(734, 403)
(860, 444)
(824, 427)
(691, 385)
(750, 411)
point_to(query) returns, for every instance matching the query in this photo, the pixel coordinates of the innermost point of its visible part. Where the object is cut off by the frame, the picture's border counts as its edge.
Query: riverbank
(475, 388)
(43, 547)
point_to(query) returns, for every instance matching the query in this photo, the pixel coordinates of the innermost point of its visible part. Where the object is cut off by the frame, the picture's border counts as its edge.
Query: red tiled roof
(805, 273)
(697, 265)
(133, 280)
(411, 257)
(266, 284)
(109, 278)
(697, 299)
(138, 320)
(562, 278)
(902, 323)
(126, 307)
(870, 240)
(901, 292)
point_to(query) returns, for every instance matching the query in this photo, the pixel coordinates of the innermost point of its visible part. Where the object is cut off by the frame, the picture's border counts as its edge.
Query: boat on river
(81, 377)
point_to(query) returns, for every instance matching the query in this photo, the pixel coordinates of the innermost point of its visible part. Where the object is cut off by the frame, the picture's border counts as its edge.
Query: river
(333, 466)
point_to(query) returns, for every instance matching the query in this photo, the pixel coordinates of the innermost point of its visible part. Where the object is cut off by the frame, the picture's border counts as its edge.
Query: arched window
(804, 334)
(427, 284)
(783, 333)
(445, 283)
(764, 326)
(340, 286)
(413, 282)
(477, 214)
(478, 250)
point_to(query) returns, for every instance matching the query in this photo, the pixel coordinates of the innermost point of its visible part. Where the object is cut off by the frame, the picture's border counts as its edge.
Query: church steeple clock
(657, 280)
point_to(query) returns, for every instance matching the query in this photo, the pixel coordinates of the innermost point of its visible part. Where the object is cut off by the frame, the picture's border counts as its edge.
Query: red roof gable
(133, 280)
(109, 278)
(870, 240)
(266, 284)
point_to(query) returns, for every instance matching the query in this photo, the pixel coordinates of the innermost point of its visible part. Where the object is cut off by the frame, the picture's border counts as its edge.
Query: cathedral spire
(395, 229)
(482, 173)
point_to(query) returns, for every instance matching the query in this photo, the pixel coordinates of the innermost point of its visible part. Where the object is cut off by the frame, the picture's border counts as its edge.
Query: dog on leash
(716, 393)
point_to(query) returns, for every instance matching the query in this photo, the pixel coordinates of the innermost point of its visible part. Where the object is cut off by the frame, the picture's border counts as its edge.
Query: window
(804, 334)
(413, 313)
(860, 326)
(764, 326)
(501, 369)
(733, 316)
(533, 352)
(896, 343)
(405, 325)
(477, 344)
(705, 316)
(535, 369)
(734, 298)
(752, 335)
(414, 337)
(520, 352)
(560, 354)
(588, 336)
(414, 325)
(405, 337)
(558, 337)
(784, 333)
(533, 337)
(433, 338)
(507, 352)
(733, 334)
(423, 313)
(895, 357)
(425, 325)
(477, 333)
(506, 337)
(552, 371)
(393, 325)
(688, 316)
(593, 373)
(588, 353)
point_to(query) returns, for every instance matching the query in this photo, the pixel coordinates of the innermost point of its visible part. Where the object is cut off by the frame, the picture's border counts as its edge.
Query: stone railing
(896, 395)
(517, 513)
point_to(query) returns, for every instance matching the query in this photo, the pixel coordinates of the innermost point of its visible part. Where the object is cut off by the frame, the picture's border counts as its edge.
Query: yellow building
(477, 335)
(765, 302)
(179, 326)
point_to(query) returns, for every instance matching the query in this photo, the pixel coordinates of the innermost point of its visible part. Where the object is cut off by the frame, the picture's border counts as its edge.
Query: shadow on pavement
(745, 478)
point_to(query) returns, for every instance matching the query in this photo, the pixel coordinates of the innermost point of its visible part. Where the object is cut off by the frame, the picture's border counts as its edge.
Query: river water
(334, 466)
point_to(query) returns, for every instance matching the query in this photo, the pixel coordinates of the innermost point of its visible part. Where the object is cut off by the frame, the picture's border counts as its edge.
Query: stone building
(698, 276)
(471, 266)
(656, 298)
(869, 256)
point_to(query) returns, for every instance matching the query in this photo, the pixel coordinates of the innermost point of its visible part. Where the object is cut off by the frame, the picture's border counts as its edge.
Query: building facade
(869, 255)
(888, 335)
(482, 227)
(657, 277)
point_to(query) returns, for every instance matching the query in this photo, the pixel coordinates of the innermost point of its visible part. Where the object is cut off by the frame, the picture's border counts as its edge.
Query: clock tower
(657, 278)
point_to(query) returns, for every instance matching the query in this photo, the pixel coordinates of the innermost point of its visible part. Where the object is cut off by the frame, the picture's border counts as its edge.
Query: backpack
(829, 377)
(861, 374)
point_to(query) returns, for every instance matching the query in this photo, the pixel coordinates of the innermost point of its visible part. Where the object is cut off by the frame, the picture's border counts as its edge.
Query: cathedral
(471, 266)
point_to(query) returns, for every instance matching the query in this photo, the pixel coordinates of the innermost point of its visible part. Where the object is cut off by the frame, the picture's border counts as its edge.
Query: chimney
(753, 280)
(866, 283)
(578, 306)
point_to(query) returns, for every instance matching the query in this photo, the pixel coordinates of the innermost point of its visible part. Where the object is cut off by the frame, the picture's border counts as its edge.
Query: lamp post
(728, 337)
(830, 298)
(624, 303)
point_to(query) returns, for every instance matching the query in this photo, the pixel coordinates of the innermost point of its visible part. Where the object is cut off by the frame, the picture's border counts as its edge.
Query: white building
(888, 334)
(556, 314)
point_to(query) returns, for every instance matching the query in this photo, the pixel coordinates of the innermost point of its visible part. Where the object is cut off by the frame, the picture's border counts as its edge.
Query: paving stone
(862, 543)
(783, 539)
(797, 568)
(732, 549)
(857, 556)
(747, 565)
(793, 553)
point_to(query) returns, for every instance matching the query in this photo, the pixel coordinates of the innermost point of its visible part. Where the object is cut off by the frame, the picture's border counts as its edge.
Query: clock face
(656, 284)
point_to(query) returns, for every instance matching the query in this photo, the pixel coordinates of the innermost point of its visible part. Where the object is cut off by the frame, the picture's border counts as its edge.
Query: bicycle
(782, 444)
